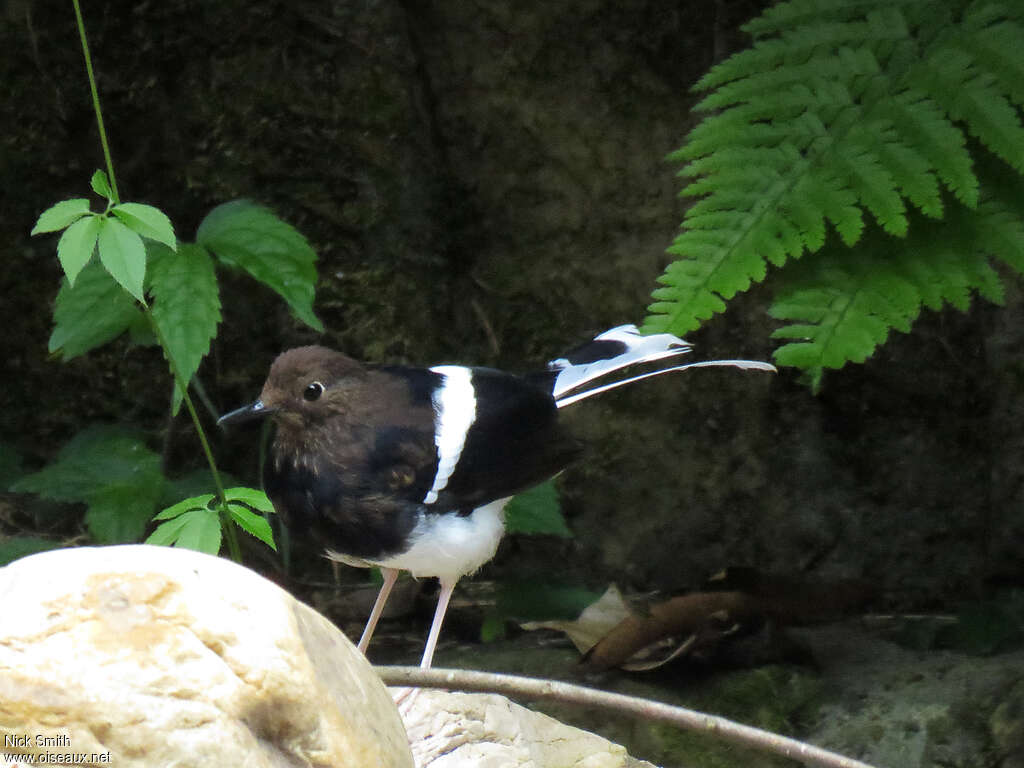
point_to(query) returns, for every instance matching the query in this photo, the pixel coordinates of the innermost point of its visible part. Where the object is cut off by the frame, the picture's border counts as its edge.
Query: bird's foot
(405, 699)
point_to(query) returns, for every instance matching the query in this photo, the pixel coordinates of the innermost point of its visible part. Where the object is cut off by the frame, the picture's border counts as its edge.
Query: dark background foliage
(484, 182)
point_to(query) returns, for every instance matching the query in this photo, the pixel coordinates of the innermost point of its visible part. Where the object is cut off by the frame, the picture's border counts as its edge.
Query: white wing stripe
(454, 414)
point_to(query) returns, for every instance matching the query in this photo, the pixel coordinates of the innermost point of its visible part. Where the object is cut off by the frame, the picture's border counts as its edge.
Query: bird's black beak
(249, 412)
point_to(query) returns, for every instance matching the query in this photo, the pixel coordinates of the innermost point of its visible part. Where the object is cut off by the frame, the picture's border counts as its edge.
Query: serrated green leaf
(118, 514)
(123, 255)
(113, 472)
(250, 497)
(200, 531)
(167, 532)
(77, 244)
(185, 505)
(198, 482)
(186, 305)
(197, 529)
(96, 457)
(17, 547)
(147, 221)
(245, 235)
(537, 511)
(101, 185)
(252, 523)
(91, 313)
(61, 215)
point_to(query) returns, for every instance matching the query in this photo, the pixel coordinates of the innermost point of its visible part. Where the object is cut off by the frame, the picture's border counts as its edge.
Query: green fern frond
(975, 97)
(927, 130)
(798, 13)
(841, 309)
(841, 108)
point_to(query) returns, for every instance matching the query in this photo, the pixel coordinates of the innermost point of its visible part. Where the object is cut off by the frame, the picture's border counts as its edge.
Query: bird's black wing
(513, 442)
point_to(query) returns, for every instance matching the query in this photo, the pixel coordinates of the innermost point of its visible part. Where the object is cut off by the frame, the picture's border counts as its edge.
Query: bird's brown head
(306, 386)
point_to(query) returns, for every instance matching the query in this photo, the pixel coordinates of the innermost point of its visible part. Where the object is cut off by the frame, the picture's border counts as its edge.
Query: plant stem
(227, 524)
(96, 102)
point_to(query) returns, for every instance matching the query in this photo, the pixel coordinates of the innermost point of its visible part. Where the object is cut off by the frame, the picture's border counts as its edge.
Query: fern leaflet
(841, 108)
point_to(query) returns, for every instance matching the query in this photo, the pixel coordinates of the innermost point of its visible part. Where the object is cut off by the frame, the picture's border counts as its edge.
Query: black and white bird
(409, 469)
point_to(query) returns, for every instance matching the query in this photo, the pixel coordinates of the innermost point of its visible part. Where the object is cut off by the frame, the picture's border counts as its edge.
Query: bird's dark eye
(313, 391)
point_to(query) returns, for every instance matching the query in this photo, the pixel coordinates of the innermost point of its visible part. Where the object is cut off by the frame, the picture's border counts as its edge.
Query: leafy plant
(196, 523)
(537, 511)
(142, 266)
(908, 110)
(111, 470)
(18, 547)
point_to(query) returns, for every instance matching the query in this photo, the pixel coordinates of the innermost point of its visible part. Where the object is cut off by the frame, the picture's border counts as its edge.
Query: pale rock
(166, 657)
(463, 730)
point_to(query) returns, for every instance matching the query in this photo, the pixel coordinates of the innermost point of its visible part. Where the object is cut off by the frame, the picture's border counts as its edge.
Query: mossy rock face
(771, 698)
(484, 183)
(1006, 725)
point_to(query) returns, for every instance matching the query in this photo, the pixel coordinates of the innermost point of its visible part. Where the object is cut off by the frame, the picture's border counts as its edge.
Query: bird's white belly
(451, 546)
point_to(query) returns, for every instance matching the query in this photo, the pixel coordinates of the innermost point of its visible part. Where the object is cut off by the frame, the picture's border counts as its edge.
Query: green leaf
(186, 306)
(98, 456)
(101, 185)
(252, 523)
(17, 547)
(250, 497)
(840, 309)
(77, 244)
(185, 505)
(147, 221)
(245, 235)
(492, 628)
(542, 601)
(196, 528)
(119, 514)
(61, 215)
(198, 482)
(167, 532)
(113, 472)
(200, 531)
(189, 520)
(90, 314)
(537, 511)
(124, 256)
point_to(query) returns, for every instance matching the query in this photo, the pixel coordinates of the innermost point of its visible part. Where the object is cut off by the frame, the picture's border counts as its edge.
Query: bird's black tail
(584, 371)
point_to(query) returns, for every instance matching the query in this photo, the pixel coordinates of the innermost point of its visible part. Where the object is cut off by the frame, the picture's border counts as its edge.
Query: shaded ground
(866, 697)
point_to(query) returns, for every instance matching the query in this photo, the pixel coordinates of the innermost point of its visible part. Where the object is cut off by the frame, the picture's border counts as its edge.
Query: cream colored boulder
(142, 656)
(464, 730)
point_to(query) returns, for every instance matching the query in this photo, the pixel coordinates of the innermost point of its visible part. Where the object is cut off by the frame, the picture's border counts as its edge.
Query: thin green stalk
(226, 523)
(96, 102)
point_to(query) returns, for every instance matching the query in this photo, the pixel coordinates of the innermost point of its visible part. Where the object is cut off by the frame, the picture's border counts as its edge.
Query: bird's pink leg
(435, 628)
(404, 697)
(390, 576)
